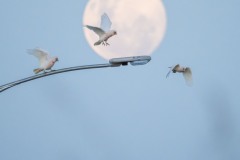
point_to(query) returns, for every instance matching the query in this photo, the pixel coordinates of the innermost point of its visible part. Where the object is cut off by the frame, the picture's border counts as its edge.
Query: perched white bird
(46, 62)
(104, 32)
(186, 71)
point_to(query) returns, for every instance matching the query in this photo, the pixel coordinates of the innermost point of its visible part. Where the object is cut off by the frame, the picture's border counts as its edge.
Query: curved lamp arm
(115, 62)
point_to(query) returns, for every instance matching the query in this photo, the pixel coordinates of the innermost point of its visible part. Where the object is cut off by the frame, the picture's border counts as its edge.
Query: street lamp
(137, 60)
(115, 62)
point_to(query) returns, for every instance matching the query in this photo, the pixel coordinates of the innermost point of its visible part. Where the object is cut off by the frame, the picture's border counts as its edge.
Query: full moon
(140, 26)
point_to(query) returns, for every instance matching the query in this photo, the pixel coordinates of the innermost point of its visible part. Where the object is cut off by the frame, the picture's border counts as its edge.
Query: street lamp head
(136, 60)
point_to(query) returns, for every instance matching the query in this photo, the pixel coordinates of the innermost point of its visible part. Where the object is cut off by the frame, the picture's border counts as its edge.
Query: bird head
(55, 59)
(113, 32)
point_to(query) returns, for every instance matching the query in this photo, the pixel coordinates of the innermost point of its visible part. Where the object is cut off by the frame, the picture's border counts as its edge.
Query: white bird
(186, 71)
(104, 32)
(46, 62)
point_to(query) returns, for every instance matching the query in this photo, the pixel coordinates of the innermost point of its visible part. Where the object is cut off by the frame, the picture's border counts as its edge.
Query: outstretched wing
(187, 74)
(169, 72)
(96, 30)
(172, 69)
(42, 55)
(105, 22)
(175, 67)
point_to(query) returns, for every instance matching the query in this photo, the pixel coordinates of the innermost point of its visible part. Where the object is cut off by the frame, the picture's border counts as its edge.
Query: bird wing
(171, 70)
(42, 55)
(105, 22)
(96, 30)
(176, 67)
(187, 74)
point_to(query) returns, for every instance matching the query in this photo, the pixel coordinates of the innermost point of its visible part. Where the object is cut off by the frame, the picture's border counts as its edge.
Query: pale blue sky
(127, 112)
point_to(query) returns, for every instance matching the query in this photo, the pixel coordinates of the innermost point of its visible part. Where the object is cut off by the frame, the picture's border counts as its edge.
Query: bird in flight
(186, 71)
(46, 62)
(104, 32)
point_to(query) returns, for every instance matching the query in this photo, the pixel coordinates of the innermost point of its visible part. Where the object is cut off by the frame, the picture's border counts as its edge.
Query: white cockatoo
(186, 71)
(104, 32)
(46, 62)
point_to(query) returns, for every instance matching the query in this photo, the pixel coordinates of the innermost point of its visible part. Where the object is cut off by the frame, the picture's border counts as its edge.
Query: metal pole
(12, 84)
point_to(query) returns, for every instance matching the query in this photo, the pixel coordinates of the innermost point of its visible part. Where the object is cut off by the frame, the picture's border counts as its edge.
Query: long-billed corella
(104, 31)
(186, 71)
(46, 62)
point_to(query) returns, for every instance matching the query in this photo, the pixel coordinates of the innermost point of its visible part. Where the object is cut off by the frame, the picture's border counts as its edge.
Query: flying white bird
(46, 62)
(186, 71)
(104, 32)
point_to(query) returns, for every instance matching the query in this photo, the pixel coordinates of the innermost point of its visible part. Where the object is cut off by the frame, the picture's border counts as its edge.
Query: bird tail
(37, 70)
(97, 43)
(187, 74)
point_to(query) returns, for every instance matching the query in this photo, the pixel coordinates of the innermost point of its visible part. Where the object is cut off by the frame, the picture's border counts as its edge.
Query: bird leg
(105, 43)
